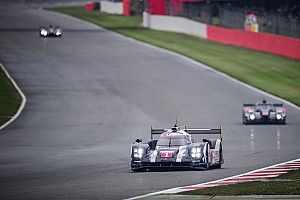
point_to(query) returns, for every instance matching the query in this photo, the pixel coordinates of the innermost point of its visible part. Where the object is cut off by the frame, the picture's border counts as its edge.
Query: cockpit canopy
(173, 140)
(264, 106)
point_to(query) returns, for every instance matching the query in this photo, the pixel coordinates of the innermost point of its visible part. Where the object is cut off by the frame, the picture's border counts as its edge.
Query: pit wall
(266, 42)
(111, 7)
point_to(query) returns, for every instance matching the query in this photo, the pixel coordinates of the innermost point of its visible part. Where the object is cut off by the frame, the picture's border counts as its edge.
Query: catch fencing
(287, 24)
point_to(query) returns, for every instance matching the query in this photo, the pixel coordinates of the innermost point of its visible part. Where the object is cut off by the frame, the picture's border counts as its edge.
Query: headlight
(58, 32)
(252, 116)
(278, 116)
(44, 32)
(138, 153)
(196, 152)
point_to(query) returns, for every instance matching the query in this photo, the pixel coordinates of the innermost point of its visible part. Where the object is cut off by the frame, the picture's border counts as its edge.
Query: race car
(50, 31)
(264, 113)
(175, 148)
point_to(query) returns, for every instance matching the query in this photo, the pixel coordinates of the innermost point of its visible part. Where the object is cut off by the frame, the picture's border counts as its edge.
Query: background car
(264, 113)
(50, 31)
(175, 148)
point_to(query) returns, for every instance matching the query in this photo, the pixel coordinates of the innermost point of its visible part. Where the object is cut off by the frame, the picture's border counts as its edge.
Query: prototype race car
(50, 31)
(264, 113)
(175, 148)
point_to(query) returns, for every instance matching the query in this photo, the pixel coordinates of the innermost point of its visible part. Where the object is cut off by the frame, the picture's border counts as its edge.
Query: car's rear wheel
(207, 166)
(219, 166)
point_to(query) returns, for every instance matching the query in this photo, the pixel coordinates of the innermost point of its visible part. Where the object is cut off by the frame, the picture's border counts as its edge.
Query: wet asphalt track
(92, 93)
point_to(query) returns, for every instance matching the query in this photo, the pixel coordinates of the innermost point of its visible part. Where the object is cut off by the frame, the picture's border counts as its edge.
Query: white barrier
(111, 7)
(175, 24)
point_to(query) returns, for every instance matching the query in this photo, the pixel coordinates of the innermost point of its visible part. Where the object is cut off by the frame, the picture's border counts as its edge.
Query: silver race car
(175, 148)
(50, 31)
(264, 113)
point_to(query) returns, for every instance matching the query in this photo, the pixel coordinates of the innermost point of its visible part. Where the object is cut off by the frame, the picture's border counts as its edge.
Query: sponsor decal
(265, 113)
(166, 154)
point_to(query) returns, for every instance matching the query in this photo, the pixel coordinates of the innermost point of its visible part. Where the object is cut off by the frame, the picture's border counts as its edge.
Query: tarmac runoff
(256, 175)
(198, 196)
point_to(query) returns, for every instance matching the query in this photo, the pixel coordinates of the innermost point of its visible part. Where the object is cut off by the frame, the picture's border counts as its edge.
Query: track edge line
(23, 97)
(235, 176)
(182, 57)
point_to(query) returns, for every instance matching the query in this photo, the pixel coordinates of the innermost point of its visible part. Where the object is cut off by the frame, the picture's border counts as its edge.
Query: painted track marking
(20, 109)
(256, 175)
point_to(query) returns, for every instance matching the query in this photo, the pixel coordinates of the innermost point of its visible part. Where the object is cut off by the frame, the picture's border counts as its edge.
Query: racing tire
(207, 167)
(219, 166)
(244, 120)
(138, 169)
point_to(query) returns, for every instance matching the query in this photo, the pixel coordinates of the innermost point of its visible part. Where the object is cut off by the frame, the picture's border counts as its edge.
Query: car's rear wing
(157, 131)
(202, 131)
(205, 131)
(248, 105)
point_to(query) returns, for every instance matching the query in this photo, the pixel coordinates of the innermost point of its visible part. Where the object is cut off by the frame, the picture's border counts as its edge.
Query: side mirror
(138, 140)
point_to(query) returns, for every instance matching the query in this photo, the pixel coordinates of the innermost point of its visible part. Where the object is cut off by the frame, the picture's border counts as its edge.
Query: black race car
(264, 113)
(50, 31)
(175, 148)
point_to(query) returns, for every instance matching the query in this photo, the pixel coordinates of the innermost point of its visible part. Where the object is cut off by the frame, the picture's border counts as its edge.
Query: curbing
(165, 51)
(211, 183)
(21, 94)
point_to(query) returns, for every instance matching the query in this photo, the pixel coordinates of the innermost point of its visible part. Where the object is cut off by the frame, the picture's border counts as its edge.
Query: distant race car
(50, 31)
(264, 113)
(175, 148)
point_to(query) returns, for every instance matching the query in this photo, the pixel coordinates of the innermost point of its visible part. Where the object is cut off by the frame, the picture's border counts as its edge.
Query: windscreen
(264, 107)
(180, 140)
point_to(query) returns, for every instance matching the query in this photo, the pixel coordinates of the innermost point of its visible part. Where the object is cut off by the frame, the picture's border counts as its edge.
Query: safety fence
(276, 22)
(280, 45)
(266, 42)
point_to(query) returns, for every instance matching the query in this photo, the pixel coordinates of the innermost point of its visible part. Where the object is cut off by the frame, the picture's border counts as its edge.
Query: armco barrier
(175, 24)
(266, 42)
(111, 7)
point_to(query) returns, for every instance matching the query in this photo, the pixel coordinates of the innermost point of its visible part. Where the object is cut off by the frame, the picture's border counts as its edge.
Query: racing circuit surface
(91, 93)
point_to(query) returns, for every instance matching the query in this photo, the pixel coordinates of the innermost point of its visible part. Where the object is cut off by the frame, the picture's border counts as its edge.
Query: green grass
(274, 74)
(288, 184)
(9, 99)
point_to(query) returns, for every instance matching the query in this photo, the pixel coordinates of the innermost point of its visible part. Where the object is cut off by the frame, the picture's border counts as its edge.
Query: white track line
(225, 181)
(201, 65)
(21, 94)
(213, 70)
(184, 58)
(196, 63)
